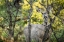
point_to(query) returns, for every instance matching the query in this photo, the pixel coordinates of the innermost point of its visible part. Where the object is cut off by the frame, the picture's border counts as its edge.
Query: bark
(29, 20)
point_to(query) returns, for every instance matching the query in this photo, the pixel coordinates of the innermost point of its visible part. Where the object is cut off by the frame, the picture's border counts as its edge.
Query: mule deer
(39, 32)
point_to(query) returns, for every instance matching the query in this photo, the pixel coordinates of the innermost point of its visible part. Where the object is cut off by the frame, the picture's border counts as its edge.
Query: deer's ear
(37, 8)
(40, 9)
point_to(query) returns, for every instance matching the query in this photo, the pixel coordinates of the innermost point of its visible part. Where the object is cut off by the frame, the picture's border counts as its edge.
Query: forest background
(16, 17)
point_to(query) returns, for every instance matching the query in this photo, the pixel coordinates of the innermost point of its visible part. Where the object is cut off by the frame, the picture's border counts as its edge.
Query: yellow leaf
(1, 19)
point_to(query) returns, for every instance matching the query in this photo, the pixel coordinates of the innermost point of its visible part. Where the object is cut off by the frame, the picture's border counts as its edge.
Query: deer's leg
(48, 40)
(27, 39)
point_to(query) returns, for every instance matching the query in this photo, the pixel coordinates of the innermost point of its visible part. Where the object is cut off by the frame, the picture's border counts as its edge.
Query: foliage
(36, 17)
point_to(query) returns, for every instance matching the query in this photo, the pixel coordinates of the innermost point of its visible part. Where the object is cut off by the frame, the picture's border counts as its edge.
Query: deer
(39, 32)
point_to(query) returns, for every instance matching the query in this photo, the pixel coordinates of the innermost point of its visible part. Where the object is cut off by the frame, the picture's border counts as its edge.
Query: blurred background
(14, 16)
